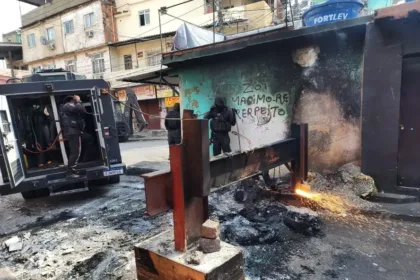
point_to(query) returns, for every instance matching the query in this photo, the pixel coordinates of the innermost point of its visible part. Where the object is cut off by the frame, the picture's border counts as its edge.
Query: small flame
(304, 193)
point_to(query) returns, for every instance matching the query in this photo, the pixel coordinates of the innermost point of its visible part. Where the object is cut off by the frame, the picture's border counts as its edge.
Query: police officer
(73, 125)
(173, 125)
(222, 118)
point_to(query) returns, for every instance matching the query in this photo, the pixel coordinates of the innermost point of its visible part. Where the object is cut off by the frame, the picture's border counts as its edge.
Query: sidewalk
(146, 159)
(150, 135)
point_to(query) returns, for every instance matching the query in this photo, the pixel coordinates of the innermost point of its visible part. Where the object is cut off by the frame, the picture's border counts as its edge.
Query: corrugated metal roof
(236, 44)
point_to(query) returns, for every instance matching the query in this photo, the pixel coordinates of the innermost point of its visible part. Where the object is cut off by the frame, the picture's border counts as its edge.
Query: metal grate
(17, 170)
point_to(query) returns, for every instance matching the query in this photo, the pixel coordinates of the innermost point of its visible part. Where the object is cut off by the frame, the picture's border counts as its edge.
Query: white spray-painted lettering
(330, 17)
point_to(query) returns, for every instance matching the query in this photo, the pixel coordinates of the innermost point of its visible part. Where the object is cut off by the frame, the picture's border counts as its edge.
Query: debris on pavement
(194, 257)
(6, 274)
(14, 244)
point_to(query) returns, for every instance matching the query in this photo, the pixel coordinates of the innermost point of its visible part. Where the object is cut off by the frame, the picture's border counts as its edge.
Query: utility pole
(12, 70)
(220, 15)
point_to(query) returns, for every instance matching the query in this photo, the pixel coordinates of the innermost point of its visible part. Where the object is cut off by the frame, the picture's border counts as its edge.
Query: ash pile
(267, 230)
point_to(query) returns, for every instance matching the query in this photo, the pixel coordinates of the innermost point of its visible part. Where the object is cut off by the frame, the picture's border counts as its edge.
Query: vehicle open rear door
(98, 112)
(9, 146)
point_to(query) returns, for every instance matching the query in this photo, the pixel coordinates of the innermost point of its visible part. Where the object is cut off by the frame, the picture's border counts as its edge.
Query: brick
(210, 229)
(209, 245)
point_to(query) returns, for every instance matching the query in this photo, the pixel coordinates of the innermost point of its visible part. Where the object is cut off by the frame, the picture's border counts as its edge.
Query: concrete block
(156, 259)
(210, 229)
(208, 246)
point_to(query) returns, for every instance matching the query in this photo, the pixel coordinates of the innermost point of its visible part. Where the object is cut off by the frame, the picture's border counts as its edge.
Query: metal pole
(220, 16)
(160, 31)
(137, 54)
(11, 65)
(58, 126)
(214, 21)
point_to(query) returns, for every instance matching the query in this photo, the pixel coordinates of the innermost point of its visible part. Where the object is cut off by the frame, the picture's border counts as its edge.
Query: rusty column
(190, 168)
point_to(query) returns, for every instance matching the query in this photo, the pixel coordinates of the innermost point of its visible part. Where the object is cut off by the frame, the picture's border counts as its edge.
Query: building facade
(140, 45)
(70, 35)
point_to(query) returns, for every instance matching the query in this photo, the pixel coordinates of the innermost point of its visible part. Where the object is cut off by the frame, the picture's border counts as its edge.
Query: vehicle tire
(36, 193)
(29, 195)
(123, 139)
(114, 180)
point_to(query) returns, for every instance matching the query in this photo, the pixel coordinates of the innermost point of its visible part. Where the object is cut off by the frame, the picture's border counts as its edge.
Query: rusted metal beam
(226, 169)
(158, 189)
(177, 153)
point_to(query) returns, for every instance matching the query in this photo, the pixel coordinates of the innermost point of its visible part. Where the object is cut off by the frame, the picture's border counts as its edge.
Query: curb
(147, 139)
(138, 171)
(393, 198)
(383, 214)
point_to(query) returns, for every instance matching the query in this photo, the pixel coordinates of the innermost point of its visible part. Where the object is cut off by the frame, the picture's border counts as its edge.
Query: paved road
(134, 152)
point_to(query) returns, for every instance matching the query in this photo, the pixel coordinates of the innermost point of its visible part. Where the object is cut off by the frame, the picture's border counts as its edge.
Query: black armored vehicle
(34, 154)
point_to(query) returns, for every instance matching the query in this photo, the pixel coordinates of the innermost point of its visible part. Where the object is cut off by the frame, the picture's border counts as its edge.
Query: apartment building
(72, 35)
(144, 33)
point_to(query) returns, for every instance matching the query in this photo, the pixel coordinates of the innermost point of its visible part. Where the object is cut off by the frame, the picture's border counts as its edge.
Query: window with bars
(98, 63)
(128, 62)
(153, 57)
(89, 20)
(68, 27)
(144, 17)
(71, 65)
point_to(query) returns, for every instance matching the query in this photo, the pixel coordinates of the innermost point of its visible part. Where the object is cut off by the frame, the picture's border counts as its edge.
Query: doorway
(409, 134)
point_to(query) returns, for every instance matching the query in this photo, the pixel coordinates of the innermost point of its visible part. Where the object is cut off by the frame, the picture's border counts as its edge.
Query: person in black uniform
(222, 118)
(173, 126)
(73, 126)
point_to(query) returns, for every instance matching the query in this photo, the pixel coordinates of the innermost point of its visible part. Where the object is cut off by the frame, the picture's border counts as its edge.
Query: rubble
(347, 182)
(303, 220)
(194, 257)
(6, 274)
(14, 244)
(208, 246)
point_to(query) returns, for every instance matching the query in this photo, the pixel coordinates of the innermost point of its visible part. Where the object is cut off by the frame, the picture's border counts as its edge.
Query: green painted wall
(261, 91)
(313, 79)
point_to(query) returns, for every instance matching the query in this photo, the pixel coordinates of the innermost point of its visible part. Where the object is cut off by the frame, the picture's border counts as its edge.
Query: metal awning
(156, 75)
(14, 48)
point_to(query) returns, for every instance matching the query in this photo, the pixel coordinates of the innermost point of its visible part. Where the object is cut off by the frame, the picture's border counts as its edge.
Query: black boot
(71, 174)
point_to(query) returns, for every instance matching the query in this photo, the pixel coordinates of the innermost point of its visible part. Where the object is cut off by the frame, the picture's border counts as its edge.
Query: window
(89, 20)
(68, 27)
(50, 34)
(31, 41)
(98, 63)
(71, 65)
(144, 17)
(128, 62)
(153, 58)
(4, 122)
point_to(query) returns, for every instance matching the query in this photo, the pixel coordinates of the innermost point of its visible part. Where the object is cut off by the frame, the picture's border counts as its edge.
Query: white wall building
(73, 37)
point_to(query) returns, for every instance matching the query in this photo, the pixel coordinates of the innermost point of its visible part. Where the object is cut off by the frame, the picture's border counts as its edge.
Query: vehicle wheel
(114, 180)
(29, 195)
(43, 192)
(123, 139)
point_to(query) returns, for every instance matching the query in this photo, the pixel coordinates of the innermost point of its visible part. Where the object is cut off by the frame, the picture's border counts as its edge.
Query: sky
(10, 17)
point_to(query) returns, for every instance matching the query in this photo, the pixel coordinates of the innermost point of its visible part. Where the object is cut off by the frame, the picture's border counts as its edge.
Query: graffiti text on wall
(262, 107)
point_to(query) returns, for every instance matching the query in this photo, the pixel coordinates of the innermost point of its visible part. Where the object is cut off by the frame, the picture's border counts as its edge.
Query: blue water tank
(331, 11)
